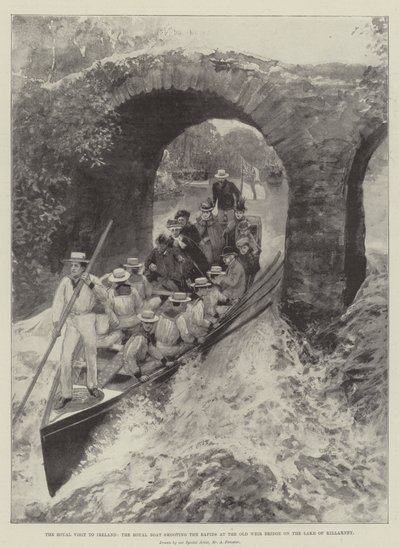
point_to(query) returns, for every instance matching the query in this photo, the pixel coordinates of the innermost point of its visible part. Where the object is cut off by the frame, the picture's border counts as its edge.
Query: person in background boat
(142, 285)
(243, 231)
(172, 333)
(80, 324)
(211, 233)
(198, 321)
(163, 266)
(250, 260)
(125, 300)
(188, 229)
(232, 227)
(195, 261)
(232, 284)
(226, 195)
(141, 345)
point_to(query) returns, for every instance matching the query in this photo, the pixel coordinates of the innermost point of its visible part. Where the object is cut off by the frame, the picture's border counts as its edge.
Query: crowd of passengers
(159, 307)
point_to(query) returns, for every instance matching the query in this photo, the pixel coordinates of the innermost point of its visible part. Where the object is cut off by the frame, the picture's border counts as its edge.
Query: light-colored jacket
(196, 321)
(142, 286)
(85, 302)
(126, 307)
(233, 282)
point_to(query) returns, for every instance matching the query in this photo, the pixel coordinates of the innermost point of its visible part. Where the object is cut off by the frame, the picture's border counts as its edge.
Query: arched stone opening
(313, 117)
(355, 259)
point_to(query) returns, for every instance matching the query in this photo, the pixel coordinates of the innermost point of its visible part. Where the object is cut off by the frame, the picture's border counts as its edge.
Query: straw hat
(76, 257)
(221, 174)
(179, 298)
(242, 241)
(200, 282)
(133, 262)
(148, 316)
(119, 275)
(228, 251)
(215, 271)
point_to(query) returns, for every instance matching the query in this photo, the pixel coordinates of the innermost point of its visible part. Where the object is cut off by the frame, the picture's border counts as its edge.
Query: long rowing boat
(65, 433)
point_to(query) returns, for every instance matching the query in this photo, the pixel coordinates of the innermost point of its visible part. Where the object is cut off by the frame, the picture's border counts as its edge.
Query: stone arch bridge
(319, 119)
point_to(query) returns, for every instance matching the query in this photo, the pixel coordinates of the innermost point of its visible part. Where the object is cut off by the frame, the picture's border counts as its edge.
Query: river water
(264, 429)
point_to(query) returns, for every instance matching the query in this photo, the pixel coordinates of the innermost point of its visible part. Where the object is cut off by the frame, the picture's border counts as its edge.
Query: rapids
(267, 428)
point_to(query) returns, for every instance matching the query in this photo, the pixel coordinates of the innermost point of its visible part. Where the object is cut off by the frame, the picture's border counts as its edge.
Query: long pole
(241, 175)
(60, 325)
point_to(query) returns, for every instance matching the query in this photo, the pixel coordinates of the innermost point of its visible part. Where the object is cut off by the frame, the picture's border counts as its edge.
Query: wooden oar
(64, 316)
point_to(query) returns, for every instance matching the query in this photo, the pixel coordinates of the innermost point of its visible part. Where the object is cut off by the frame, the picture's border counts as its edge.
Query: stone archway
(314, 117)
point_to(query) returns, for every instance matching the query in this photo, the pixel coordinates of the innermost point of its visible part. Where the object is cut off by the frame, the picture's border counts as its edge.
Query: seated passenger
(211, 232)
(124, 299)
(199, 320)
(141, 284)
(188, 229)
(140, 345)
(232, 284)
(163, 266)
(172, 334)
(243, 231)
(195, 260)
(230, 231)
(250, 260)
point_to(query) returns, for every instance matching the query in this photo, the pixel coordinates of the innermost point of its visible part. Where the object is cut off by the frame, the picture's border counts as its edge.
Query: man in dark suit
(226, 194)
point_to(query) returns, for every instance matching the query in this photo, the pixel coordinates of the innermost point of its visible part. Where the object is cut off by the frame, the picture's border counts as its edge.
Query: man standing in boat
(80, 324)
(226, 195)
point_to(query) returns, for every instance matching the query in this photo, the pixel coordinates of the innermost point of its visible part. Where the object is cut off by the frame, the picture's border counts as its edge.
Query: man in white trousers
(80, 324)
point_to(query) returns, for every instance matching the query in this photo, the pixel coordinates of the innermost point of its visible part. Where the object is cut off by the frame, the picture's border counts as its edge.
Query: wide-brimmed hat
(133, 262)
(76, 257)
(243, 224)
(242, 241)
(221, 174)
(119, 275)
(228, 250)
(200, 282)
(215, 270)
(173, 223)
(148, 316)
(207, 205)
(179, 297)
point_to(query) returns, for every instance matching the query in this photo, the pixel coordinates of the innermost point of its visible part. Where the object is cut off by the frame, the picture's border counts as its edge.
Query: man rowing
(142, 285)
(199, 319)
(172, 333)
(141, 346)
(125, 300)
(80, 325)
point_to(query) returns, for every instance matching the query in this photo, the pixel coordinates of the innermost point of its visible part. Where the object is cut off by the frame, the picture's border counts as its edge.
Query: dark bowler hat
(173, 223)
(228, 250)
